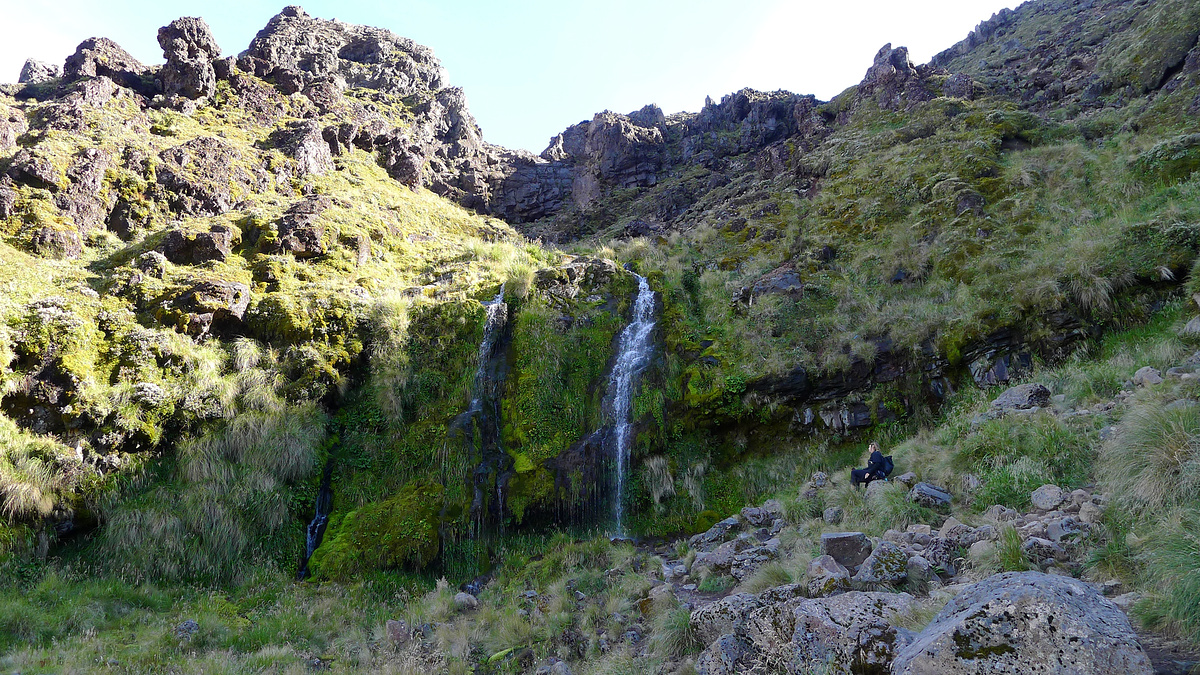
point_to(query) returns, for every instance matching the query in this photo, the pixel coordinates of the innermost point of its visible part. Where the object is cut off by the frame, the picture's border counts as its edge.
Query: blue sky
(532, 67)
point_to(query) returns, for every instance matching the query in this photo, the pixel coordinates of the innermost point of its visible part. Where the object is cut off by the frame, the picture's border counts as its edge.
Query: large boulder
(727, 615)
(849, 549)
(1023, 397)
(849, 633)
(305, 143)
(1048, 497)
(827, 577)
(301, 232)
(725, 656)
(927, 494)
(189, 48)
(1026, 622)
(36, 72)
(101, 57)
(887, 564)
(194, 248)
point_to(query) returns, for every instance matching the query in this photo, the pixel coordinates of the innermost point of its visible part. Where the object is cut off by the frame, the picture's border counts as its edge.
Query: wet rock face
(36, 72)
(1026, 622)
(295, 49)
(101, 57)
(189, 48)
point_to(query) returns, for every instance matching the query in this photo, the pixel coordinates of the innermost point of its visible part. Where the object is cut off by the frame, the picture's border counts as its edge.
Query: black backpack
(888, 466)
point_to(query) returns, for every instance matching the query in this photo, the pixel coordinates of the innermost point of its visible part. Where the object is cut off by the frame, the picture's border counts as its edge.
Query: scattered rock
(1023, 622)
(187, 629)
(851, 633)
(727, 615)
(183, 248)
(909, 479)
(887, 564)
(101, 57)
(1090, 513)
(301, 231)
(398, 631)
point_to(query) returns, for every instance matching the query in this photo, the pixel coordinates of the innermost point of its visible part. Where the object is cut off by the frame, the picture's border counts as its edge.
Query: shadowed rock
(101, 57)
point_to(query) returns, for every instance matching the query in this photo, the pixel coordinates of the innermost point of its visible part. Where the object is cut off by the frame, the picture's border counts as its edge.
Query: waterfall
(633, 354)
(316, 527)
(497, 317)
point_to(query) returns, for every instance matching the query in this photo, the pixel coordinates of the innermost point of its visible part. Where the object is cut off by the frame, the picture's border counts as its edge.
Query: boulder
(850, 633)
(833, 515)
(721, 558)
(301, 231)
(847, 548)
(8, 201)
(84, 199)
(304, 142)
(1025, 622)
(101, 57)
(1047, 497)
(1023, 397)
(398, 631)
(1001, 513)
(887, 564)
(919, 571)
(727, 615)
(1042, 550)
(725, 656)
(465, 602)
(212, 303)
(56, 242)
(183, 248)
(189, 48)
(909, 479)
(927, 494)
(720, 531)
(36, 72)
(1147, 376)
(827, 577)
(1090, 513)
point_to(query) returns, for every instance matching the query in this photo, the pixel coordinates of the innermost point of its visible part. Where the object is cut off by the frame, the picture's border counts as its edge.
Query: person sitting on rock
(878, 468)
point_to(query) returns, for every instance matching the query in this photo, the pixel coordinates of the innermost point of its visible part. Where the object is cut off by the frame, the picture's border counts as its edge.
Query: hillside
(288, 350)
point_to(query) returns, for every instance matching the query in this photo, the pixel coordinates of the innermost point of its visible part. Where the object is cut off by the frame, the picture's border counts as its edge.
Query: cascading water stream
(497, 316)
(316, 527)
(633, 354)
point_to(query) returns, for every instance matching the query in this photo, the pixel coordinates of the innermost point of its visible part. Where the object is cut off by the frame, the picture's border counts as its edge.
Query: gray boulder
(1048, 497)
(189, 48)
(725, 656)
(847, 548)
(887, 564)
(1147, 376)
(1023, 397)
(727, 615)
(1026, 622)
(827, 577)
(927, 494)
(849, 633)
(36, 72)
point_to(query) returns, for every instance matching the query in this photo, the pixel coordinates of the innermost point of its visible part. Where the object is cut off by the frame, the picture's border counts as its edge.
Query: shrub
(674, 636)
(1154, 463)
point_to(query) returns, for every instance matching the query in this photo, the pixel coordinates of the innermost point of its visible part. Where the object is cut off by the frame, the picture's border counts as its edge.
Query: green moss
(401, 531)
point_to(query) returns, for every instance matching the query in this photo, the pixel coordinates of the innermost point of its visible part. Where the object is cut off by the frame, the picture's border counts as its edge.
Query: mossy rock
(1171, 160)
(400, 532)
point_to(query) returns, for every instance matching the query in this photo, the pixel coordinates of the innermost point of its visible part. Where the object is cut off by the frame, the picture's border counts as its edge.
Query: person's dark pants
(860, 476)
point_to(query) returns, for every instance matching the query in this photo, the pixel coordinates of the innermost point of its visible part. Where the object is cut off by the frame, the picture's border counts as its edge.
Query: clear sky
(533, 67)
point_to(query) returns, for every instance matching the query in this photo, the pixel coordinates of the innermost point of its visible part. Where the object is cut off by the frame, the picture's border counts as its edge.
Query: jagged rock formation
(190, 48)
